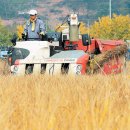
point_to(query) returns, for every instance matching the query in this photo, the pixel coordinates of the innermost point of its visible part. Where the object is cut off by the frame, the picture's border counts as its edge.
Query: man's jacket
(33, 29)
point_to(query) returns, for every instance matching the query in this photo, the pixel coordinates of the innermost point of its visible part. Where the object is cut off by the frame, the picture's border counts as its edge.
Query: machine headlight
(79, 68)
(15, 68)
(78, 72)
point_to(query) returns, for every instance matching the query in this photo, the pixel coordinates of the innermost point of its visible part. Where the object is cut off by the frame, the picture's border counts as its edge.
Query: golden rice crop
(65, 102)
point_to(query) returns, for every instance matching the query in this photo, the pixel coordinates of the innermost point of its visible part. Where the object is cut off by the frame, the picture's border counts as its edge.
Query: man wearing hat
(34, 28)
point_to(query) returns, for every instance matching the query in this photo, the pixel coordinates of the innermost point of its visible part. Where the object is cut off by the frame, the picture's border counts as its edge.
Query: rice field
(65, 102)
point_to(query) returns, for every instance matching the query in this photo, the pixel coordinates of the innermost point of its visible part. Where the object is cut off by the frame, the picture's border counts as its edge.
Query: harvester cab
(68, 52)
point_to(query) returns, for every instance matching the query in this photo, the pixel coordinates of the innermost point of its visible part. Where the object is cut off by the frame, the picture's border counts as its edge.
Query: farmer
(34, 28)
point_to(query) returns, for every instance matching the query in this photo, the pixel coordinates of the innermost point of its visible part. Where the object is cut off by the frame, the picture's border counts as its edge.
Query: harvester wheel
(29, 69)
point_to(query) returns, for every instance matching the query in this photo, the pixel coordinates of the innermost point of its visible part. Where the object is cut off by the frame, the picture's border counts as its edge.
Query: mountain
(53, 11)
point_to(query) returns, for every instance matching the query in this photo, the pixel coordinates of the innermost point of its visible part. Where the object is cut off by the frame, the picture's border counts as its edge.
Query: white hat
(33, 12)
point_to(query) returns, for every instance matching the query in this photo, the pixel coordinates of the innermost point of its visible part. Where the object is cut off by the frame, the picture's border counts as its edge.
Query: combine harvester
(68, 53)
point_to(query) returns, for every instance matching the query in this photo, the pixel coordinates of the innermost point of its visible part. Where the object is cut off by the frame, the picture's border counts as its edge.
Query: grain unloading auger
(68, 52)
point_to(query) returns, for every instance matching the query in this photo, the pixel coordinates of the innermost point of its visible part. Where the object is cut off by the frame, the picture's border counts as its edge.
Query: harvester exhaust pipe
(73, 28)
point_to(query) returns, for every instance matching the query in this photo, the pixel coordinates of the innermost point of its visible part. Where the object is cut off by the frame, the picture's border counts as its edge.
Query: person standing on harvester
(34, 28)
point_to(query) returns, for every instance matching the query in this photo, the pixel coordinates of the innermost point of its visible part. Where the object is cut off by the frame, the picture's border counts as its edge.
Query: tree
(5, 35)
(20, 30)
(116, 28)
(60, 27)
(83, 28)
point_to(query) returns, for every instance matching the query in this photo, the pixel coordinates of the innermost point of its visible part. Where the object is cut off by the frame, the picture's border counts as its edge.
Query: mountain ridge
(56, 10)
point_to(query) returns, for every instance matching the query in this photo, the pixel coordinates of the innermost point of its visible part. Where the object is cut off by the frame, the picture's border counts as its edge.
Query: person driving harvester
(35, 28)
